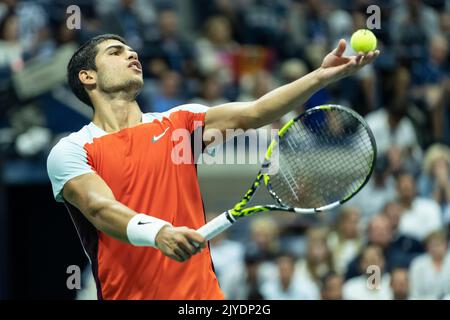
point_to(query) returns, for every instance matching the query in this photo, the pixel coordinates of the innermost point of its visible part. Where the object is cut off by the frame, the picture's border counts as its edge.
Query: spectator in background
(211, 93)
(331, 288)
(398, 250)
(318, 261)
(169, 47)
(32, 24)
(10, 49)
(358, 288)
(285, 285)
(420, 216)
(434, 182)
(415, 23)
(265, 23)
(345, 241)
(264, 233)
(64, 35)
(167, 95)
(400, 284)
(444, 24)
(216, 50)
(244, 282)
(430, 273)
(429, 79)
(391, 127)
(255, 85)
(408, 247)
(316, 29)
(130, 19)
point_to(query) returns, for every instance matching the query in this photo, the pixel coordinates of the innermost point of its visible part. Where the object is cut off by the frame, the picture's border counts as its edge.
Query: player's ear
(88, 77)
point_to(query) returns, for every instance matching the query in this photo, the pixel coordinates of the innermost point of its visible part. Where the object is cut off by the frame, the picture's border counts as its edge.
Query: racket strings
(324, 157)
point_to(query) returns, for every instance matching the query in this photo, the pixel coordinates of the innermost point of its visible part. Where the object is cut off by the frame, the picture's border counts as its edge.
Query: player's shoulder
(75, 140)
(189, 107)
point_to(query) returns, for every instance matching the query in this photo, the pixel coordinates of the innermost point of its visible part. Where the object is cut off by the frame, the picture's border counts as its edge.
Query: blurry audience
(346, 240)
(286, 284)
(374, 281)
(331, 287)
(420, 215)
(430, 273)
(398, 249)
(318, 260)
(400, 284)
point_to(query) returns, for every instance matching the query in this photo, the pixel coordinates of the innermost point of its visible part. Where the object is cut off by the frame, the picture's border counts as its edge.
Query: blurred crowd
(214, 51)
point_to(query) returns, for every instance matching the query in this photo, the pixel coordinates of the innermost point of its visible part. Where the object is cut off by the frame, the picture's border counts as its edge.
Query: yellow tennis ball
(363, 40)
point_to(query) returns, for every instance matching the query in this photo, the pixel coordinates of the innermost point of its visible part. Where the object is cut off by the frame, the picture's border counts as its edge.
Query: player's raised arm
(92, 196)
(280, 101)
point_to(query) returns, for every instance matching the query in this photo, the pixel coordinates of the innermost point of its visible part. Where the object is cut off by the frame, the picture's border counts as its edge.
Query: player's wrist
(160, 235)
(142, 230)
(323, 77)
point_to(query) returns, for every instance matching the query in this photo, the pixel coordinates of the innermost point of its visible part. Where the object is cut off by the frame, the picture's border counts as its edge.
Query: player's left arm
(275, 104)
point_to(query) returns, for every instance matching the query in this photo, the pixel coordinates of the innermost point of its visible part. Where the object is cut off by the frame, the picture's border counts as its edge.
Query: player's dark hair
(84, 59)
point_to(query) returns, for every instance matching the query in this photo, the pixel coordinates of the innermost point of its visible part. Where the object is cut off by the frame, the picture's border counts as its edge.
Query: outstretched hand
(336, 66)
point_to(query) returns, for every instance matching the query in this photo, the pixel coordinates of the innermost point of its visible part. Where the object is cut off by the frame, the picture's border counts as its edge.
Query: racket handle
(216, 225)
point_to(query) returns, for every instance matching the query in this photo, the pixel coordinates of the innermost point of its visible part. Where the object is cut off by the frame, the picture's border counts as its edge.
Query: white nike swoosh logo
(156, 138)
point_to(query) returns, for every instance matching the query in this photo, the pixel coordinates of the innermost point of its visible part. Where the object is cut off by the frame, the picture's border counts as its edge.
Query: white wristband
(142, 230)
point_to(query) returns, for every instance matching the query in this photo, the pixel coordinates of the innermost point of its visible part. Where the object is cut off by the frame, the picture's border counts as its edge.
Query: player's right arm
(92, 196)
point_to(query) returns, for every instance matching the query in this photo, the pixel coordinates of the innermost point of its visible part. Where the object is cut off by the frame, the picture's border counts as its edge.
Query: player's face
(118, 68)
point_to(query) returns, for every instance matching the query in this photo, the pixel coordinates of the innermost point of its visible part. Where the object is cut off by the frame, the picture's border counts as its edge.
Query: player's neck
(116, 114)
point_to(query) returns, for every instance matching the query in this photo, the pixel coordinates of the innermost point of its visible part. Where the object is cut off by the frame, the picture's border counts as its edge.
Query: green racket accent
(238, 210)
(283, 130)
(249, 211)
(266, 179)
(269, 150)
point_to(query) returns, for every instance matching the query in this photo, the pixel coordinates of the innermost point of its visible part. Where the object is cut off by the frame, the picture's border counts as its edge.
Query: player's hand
(336, 66)
(178, 243)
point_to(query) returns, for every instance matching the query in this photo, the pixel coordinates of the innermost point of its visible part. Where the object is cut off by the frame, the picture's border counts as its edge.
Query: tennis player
(135, 210)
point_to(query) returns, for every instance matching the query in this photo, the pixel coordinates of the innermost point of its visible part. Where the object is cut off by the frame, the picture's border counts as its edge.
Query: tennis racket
(318, 161)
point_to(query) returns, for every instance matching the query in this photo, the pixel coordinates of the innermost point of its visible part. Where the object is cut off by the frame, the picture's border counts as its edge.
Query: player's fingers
(183, 256)
(376, 53)
(187, 247)
(339, 51)
(359, 57)
(195, 237)
(172, 255)
(371, 56)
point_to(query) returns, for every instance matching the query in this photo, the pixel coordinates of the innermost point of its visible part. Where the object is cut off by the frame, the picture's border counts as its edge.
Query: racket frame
(229, 217)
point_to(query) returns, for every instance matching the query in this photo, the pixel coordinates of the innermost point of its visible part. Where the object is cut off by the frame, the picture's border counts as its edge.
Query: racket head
(320, 159)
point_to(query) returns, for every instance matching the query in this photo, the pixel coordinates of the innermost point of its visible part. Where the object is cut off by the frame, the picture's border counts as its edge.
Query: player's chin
(136, 80)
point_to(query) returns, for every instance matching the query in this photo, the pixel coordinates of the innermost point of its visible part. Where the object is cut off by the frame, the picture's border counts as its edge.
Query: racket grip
(216, 225)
